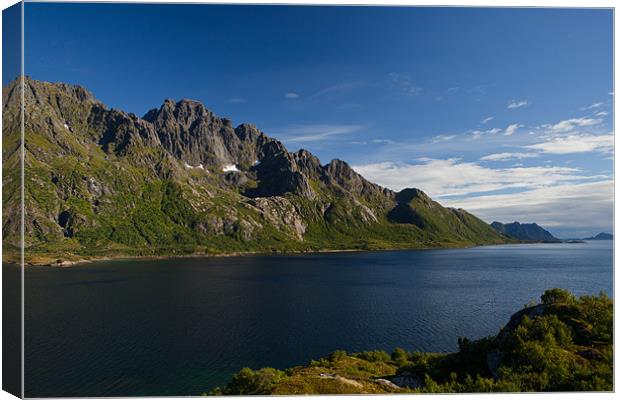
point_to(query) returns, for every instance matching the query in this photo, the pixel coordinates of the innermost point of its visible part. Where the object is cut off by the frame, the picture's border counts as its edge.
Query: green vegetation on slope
(562, 344)
(102, 183)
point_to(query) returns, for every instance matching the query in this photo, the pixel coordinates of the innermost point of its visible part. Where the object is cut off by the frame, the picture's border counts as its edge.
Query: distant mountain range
(528, 232)
(601, 236)
(181, 180)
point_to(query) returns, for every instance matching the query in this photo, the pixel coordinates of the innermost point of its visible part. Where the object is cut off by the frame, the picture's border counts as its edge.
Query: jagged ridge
(183, 180)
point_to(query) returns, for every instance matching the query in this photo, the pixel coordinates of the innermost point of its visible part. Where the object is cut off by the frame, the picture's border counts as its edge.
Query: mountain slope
(530, 232)
(182, 180)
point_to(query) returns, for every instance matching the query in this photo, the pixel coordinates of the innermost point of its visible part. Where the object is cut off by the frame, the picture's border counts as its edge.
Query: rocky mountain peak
(40, 90)
(346, 177)
(184, 112)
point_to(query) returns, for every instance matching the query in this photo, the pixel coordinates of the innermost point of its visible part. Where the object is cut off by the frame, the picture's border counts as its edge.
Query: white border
(471, 3)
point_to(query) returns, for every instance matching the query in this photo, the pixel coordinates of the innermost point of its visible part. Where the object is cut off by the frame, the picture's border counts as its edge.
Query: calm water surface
(181, 327)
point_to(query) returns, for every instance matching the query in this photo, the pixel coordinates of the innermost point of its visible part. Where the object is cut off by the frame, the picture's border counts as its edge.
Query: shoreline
(88, 260)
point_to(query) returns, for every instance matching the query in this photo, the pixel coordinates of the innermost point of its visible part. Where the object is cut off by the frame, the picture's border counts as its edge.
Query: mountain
(181, 180)
(601, 236)
(529, 232)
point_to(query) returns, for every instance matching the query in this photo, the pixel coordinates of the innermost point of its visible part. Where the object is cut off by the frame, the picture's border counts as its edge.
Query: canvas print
(222, 200)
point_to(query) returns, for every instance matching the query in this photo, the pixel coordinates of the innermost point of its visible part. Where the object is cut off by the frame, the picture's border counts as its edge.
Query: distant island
(526, 232)
(601, 236)
(562, 344)
(182, 181)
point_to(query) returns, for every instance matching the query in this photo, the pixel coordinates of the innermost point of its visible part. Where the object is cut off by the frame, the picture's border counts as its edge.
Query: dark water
(180, 327)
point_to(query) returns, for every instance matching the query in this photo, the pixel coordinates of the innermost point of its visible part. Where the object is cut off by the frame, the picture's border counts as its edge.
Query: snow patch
(256, 162)
(66, 126)
(199, 166)
(230, 167)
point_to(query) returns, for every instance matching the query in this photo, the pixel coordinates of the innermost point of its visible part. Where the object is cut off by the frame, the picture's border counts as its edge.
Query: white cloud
(291, 95)
(487, 119)
(315, 133)
(593, 105)
(518, 104)
(601, 113)
(451, 177)
(442, 138)
(570, 124)
(508, 156)
(585, 207)
(576, 143)
(477, 134)
(511, 129)
(555, 197)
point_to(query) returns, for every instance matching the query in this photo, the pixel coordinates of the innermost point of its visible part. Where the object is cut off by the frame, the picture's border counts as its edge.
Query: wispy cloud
(592, 106)
(487, 120)
(383, 141)
(576, 143)
(511, 129)
(315, 133)
(338, 88)
(442, 138)
(478, 134)
(551, 196)
(405, 84)
(585, 207)
(601, 113)
(291, 95)
(508, 156)
(517, 104)
(570, 124)
(452, 177)
(237, 100)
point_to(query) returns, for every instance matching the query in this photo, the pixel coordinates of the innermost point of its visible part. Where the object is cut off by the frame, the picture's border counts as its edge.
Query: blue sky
(505, 112)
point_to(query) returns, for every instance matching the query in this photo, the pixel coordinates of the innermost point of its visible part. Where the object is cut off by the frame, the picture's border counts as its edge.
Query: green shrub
(400, 356)
(337, 355)
(557, 296)
(248, 381)
(374, 356)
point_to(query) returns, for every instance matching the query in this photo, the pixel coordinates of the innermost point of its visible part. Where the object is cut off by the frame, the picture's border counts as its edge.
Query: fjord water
(183, 326)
